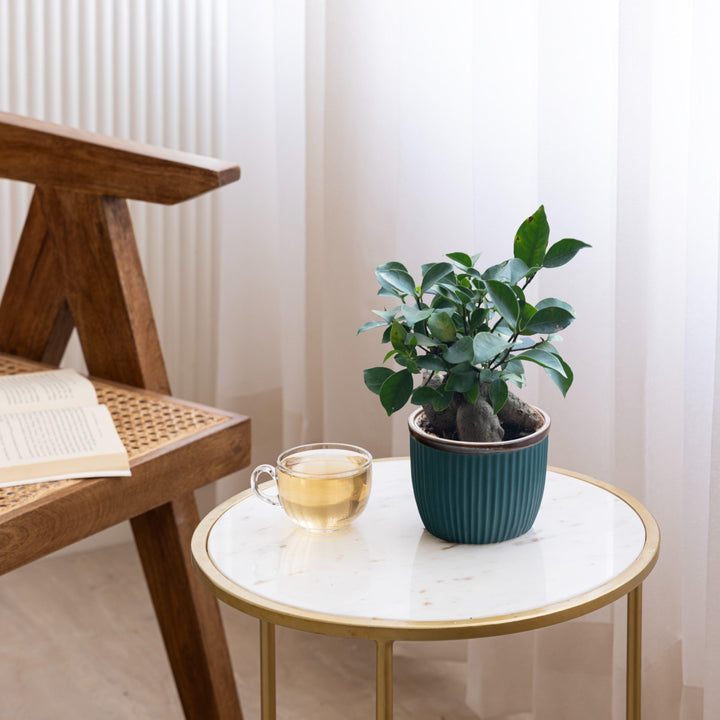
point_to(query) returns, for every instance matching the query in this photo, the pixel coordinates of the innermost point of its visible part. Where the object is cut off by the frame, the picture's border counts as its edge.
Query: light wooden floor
(78, 640)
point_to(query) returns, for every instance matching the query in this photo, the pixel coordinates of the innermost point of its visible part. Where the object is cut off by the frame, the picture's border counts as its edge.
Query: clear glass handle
(256, 473)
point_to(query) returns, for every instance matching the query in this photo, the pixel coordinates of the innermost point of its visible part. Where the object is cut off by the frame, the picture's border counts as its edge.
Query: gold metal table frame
(386, 632)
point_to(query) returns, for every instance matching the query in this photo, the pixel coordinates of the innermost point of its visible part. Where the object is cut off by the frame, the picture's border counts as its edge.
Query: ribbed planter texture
(478, 493)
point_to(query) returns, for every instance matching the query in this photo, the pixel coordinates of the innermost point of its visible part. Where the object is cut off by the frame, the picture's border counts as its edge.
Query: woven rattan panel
(144, 423)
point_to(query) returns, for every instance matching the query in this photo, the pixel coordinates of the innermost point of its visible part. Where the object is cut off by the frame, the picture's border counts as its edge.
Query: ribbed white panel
(147, 70)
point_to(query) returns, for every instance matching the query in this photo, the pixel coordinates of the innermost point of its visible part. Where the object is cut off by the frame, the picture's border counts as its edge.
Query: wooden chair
(77, 265)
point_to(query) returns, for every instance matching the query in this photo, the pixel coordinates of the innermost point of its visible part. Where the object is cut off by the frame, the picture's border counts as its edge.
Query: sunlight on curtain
(404, 130)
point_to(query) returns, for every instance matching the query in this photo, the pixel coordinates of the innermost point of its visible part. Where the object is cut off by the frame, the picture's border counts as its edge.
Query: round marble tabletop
(386, 577)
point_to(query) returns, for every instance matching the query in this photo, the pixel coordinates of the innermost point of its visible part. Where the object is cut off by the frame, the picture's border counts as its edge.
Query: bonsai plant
(465, 336)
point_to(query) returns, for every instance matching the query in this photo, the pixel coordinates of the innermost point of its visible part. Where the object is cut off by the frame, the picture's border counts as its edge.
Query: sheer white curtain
(404, 130)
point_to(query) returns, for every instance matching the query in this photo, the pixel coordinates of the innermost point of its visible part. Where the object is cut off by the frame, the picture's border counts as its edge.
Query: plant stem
(504, 356)
(493, 328)
(515, 336)
(528, 281)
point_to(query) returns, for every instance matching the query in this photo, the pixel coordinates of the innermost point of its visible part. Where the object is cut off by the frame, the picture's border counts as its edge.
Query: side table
(386, 578)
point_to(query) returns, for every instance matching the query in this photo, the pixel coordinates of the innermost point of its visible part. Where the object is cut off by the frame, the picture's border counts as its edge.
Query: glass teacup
(322, 486)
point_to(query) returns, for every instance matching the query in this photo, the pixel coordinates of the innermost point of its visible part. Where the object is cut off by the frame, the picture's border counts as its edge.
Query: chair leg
(188, 614)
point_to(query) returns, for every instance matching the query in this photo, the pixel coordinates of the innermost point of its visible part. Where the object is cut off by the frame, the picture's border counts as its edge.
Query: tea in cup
(322, 487)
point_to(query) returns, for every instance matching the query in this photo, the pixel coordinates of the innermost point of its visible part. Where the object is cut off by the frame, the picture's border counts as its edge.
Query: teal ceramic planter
(478, 492)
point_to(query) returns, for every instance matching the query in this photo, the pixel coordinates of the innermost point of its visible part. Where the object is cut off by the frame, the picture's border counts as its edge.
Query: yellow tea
(324, 489)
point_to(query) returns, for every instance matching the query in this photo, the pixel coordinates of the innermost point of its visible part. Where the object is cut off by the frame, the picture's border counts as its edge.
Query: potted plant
(478, 452)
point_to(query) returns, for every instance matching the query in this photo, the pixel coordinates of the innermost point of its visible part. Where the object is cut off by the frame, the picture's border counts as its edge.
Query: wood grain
(167, 558)
(35, 320)
(105, 287)
(43, 153)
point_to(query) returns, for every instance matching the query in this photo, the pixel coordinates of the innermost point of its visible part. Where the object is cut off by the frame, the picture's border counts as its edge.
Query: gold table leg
(267, 670)
(384, 680)
(634, 653)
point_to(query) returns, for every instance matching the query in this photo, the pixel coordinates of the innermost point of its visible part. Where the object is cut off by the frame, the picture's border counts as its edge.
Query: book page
(37, 445)
(47, 389)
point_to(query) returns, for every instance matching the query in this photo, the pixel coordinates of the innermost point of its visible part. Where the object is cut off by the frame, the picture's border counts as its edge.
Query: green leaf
(385, 287)
(514, 366)
(542, 358)
(414, 316)
(548, 346)
(548, 320)
(498, 395)
(386, 334)
(387, 315)
(409, 362)
(563, 252)
(425, 341)
(477, 318)
(392, 265)
(442, 303)
(486, 346)
(519, 294)
(370, 325)
(562, 381)
(443, 402)
(473, 393)
(448, 291)
(494, 272)
(460, 351)
(531, 239)
(396, 391)
(375, 377)
(488, 376)
(554, 302)
(523, 343)
(463, 367)
(441, 326)
(461, 382)
(465, 297)
(397, 337)
(475, 274)
(526, 313)
(389, 354)
(516, 270)
(504, 300)
(431, 362)
(514, 372)
(434, 274)
(461, 258)
(424, 395)
(398, 280)
(512, 271)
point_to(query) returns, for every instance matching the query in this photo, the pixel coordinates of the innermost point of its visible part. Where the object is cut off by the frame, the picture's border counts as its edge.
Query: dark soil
(512, 432)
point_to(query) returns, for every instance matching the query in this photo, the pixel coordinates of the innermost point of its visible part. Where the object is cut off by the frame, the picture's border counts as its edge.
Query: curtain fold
(430, 128)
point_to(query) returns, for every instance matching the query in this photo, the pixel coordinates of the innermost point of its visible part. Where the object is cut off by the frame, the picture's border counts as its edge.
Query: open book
(52, 428)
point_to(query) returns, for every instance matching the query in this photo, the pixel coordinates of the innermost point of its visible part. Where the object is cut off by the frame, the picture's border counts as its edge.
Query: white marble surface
(386, 565)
